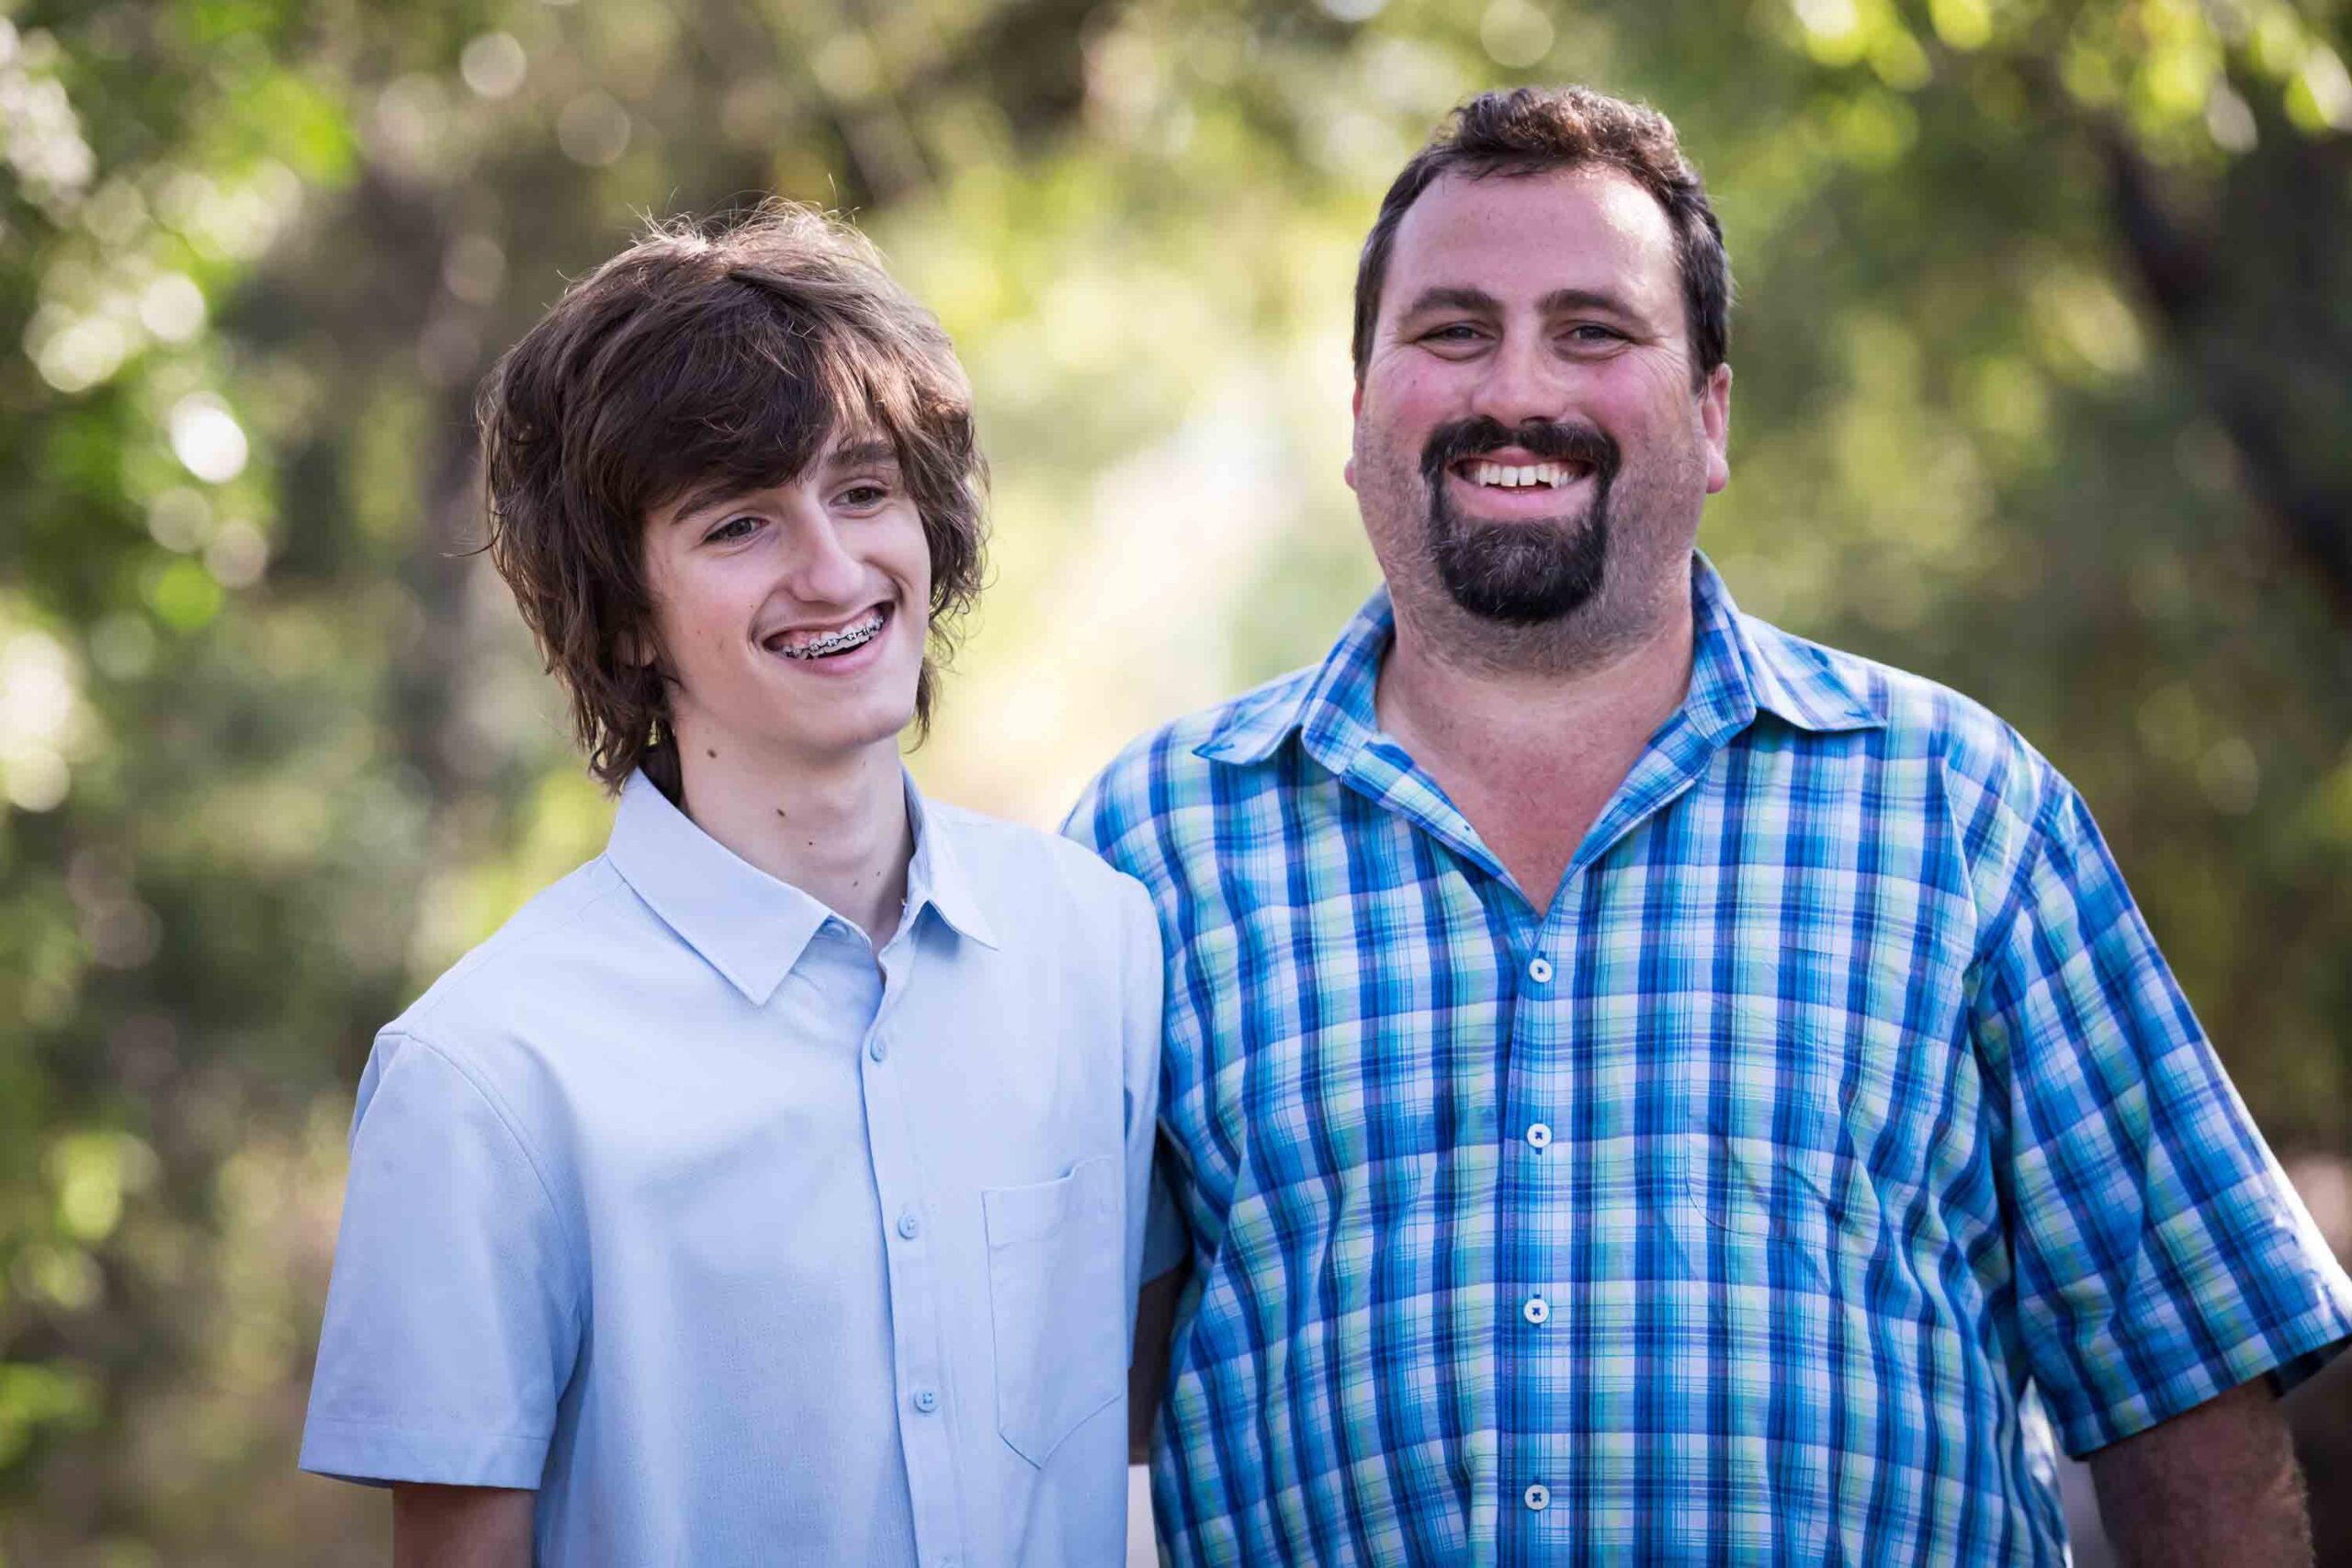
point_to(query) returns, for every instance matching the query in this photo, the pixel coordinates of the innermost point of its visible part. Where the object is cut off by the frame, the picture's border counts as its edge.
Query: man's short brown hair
(732, 354)
(1531, 130)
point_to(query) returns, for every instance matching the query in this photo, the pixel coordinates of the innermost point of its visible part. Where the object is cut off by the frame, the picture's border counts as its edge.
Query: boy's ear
(635, 649)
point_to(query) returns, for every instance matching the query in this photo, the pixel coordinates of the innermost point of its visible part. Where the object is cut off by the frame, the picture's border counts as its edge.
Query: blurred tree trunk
(2251, 280)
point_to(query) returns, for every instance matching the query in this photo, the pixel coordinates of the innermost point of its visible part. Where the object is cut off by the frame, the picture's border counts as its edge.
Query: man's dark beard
(1520, 573)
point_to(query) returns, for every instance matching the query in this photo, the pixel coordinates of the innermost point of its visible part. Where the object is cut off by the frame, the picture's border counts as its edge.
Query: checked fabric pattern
(1749, 1204)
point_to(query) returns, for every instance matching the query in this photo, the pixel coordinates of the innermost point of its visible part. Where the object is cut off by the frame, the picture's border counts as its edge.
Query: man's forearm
(2217, 1484)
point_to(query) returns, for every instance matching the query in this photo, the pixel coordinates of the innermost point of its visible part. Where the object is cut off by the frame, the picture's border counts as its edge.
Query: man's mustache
(1581, 444)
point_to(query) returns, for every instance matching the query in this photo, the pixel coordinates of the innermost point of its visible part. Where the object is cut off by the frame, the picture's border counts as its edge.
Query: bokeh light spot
(493, 65)
(207, 438)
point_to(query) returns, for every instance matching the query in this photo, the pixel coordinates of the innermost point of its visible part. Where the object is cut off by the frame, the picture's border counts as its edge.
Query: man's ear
(1355, 411)
(1714, 418)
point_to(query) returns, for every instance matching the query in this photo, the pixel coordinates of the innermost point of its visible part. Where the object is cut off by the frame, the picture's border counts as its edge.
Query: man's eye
(1458, 332)
(1593, 332)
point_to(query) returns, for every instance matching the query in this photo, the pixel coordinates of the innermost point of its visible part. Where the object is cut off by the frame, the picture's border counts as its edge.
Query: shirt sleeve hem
(377, 1455)
(2290, 1354)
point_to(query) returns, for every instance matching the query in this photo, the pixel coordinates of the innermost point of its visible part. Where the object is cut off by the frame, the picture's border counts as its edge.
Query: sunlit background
(2044, 362)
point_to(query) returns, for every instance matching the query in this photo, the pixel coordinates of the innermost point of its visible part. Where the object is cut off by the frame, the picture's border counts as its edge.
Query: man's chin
(1502, 575)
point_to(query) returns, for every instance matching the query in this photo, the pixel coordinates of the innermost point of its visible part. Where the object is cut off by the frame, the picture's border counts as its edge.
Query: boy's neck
(839, 831)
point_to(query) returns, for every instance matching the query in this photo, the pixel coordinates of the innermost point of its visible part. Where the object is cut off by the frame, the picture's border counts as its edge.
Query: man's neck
(1531, 756)
(839, 831)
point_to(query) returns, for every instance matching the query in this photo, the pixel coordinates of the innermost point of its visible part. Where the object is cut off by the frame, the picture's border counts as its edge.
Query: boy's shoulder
(562, 942)
(1014, 862)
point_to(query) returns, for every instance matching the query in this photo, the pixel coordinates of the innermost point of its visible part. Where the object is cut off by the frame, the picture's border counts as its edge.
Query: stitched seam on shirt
(572, 1244)
(471, 1433)
(493, 951)
(2186, 1387)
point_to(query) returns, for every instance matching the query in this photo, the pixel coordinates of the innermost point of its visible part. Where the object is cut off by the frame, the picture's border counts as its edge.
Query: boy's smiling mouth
(827, 642)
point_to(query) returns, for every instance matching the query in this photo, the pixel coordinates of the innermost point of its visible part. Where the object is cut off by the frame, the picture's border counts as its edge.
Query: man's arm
(460, 1527)
(1147, 1372)
(2216, 1485)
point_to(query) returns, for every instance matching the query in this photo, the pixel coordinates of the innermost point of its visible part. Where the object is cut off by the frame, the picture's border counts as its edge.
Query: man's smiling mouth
(1507, 476)
(803, 644)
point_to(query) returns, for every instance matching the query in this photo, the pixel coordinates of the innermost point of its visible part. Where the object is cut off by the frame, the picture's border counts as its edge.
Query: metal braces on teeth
(817, 648)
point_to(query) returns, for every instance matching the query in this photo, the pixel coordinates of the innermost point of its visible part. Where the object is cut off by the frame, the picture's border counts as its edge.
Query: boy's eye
(867, 493)
(732, 529)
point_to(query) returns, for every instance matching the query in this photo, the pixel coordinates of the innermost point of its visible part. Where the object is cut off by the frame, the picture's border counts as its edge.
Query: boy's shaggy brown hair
(729, 353)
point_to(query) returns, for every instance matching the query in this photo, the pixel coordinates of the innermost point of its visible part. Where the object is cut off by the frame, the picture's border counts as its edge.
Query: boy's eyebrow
(850, 454)
(705, 496)
(854, 454)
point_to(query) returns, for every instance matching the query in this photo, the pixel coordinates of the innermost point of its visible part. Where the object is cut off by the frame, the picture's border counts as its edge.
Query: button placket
(919, 1342)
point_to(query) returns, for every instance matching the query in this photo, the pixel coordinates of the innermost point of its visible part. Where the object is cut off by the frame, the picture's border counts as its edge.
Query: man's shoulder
(1166, 767)
(1917, 718)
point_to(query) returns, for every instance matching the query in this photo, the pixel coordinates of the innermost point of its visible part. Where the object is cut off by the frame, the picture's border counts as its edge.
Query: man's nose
(1523, 383)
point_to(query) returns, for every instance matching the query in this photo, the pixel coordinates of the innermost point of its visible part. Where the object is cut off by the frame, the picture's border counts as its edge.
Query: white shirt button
(877, 1048)
(926, 1400)
(1537, 1309)
(1539, 1135)
(909, 1226)
(1540, 971)
(1538, 1496)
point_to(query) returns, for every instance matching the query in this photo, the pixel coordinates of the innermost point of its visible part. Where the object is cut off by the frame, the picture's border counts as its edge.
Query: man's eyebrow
(1452, 297)
(1458, 298)
(1561, 299)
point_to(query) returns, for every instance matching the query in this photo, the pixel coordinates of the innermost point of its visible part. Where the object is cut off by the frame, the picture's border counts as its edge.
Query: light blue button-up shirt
(743, 1243)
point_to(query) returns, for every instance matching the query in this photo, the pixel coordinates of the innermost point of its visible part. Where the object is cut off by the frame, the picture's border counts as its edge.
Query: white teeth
(1514, 477)
(832, 642)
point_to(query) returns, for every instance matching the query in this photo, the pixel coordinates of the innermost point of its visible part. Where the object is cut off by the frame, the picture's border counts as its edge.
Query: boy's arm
(455, 1314)
(460, 1527)
(1148, 1373)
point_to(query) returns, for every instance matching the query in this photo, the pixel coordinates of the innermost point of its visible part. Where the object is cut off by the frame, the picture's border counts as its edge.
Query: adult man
(1640, 1085)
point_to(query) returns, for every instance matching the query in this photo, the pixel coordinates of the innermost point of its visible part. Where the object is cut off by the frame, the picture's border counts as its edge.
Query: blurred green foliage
(2045, 376)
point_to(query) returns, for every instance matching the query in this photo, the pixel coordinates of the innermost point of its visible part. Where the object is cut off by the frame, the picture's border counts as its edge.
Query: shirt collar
(752, 927)
(937, 877)
(1739, 666)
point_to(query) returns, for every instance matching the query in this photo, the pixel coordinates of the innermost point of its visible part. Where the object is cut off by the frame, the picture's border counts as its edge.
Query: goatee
(1527, 573)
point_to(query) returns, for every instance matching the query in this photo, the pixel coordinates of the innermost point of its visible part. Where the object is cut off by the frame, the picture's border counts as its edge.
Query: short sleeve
(2161, 1256)
(453, 1316)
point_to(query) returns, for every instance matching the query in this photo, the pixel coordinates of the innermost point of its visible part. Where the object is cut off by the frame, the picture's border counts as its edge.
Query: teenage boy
(770, 1189)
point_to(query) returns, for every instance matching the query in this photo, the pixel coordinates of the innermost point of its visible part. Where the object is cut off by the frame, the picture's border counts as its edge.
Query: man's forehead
(1523, 236)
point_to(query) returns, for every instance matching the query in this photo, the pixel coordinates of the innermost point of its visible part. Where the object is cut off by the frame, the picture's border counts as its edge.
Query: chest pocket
(1776, 1157)
(1056, 1273)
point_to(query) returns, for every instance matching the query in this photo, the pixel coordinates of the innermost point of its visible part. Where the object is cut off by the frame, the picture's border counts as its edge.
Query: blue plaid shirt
(1728, 1209)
